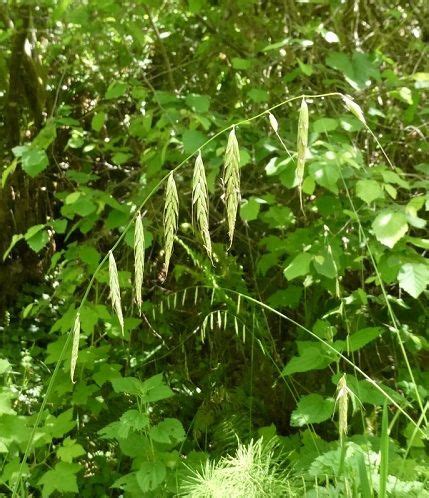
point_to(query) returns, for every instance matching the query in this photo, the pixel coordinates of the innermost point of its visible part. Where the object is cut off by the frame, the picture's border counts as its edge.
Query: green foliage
(195, 334)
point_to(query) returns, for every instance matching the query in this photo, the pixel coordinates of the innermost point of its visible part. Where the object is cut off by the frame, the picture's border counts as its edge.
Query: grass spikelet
(139, 250)
(343, 405)
(115, 291)
(354, 108)
(231, 181)
(171, 216)
(273, 122)
(200, 202)
(302, 143)
(75, 346)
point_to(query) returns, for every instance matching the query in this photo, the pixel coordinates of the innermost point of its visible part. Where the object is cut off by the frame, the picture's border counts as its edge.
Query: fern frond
(200, 203)
(171, 216)
(115, 291)
(302, 144)
(231, 181)
(139, 251)
(75, 346)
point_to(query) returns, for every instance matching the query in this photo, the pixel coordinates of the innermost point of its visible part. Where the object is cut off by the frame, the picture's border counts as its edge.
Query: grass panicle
(200, 203)
(171, 218)
(302, 144)
(231, 182)
(115, 291)
(139, 251)
(75, 346)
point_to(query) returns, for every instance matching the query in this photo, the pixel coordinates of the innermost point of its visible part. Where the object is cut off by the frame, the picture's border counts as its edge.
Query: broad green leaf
(324, 264)
(129, 385)
(62, 479)
(414, 278)
(192, 140)
(324, 125)
(312, 409)
(362, 337)
(299, 266)
(198, 103)
(389, 227)
(369, 190)
(98, 120)
(70, 450)
(34, 161)
(151, 475)
(169, 430)
(326, 174)
(116, 89)
(238, 63)
(311, 358)
(249, 210)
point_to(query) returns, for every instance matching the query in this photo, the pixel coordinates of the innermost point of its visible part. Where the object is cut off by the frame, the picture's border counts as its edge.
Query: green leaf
(324, 264)
(62, 479)
(129, 385)
(312, 409)
(37, 237)
(241, 64)
(151, 475)
(311, 358)
(34, 161)
(389, 227)
(168, 431)
(70, 450)
(299, 266)
(249, 210)
(369, 190)
(116, 89)
(192, 140)
(98, 120)
(258, 95)
(413, 278)
(324, 125)
(15, 239)
(326, 174)
(362, 337)
(198, 103)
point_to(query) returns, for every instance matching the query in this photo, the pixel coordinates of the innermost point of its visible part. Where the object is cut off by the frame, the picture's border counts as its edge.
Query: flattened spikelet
(115, 291)
(171, 216)
(273, 122)
(302, 143)
(343, 405)
(231, 182)
(200, 203)
(139, 250)
(75, 346)
(354, 108)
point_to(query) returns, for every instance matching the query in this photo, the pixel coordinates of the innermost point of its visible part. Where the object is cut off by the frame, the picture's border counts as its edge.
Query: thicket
(213, 239)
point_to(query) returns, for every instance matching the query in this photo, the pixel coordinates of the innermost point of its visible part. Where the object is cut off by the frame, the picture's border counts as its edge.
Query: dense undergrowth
(214, 249)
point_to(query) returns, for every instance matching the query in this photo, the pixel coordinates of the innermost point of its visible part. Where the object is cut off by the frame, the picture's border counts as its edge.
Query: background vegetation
(291, 363)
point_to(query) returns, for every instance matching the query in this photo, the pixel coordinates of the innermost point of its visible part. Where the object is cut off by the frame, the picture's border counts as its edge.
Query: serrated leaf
(413, 278)
(151, 475)
(62, 479)
(362, 337)
(369, 190)
(168, 431)
(312, 409)
(389, 227)
(34, 161)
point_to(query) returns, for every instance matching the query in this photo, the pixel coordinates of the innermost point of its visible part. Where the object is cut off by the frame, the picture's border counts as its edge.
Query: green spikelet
(115, 291)
(75, 346)
(302, 144)
(343, 406)
(171, 216)
(231, 181)
(200, 203)
(139, 250)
